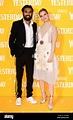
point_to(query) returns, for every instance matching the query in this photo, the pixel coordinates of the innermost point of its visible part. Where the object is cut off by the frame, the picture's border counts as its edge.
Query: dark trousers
(26, 60)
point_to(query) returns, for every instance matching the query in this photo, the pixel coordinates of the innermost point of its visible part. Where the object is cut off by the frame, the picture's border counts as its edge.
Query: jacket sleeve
(12, 38)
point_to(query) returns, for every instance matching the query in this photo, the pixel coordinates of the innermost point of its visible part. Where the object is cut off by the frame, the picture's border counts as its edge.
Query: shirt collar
(30, 22)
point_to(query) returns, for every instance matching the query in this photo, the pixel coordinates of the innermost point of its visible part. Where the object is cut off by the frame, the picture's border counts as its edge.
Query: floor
(61, 105)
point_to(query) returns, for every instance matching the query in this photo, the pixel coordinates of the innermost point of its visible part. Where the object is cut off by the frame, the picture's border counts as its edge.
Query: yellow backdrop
(61, 15)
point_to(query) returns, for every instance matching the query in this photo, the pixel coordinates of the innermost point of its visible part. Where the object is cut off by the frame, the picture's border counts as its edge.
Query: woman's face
(44, 16)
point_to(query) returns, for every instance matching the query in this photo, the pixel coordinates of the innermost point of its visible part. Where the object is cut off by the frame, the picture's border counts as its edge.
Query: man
(22, 43)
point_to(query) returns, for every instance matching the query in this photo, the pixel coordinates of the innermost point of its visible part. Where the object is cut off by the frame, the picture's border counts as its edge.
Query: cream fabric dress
(44, 70)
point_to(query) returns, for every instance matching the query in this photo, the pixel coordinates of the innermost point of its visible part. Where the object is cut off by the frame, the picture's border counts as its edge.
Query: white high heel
(43, 100)
(50, 106)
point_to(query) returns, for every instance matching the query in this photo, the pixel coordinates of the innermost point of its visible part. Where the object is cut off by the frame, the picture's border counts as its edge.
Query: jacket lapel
(23, 30)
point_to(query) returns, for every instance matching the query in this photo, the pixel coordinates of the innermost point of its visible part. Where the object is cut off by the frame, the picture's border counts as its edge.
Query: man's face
(27, 14)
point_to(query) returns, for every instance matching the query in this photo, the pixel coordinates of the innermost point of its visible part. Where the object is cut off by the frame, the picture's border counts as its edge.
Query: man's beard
(27, 18)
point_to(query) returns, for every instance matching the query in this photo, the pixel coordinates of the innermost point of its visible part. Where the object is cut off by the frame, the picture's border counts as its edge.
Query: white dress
(44, 70)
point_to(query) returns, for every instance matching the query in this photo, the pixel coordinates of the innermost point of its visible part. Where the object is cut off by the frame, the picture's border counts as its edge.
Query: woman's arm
(54, 38)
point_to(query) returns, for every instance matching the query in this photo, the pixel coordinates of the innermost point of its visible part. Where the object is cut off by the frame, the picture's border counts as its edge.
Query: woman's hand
(50, 59)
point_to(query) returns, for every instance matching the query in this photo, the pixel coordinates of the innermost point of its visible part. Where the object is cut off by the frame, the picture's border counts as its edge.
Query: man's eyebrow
(28, 11)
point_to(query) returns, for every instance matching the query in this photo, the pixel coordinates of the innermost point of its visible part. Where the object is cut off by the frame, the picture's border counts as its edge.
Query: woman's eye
(40, 16)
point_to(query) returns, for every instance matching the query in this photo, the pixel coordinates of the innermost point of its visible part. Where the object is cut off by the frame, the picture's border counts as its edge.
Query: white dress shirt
(29, 34)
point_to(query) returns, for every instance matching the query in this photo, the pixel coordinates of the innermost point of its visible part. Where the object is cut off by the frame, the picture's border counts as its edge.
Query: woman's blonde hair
(43, 9)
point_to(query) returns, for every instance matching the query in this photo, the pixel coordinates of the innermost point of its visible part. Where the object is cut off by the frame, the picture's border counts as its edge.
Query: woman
(46, 66)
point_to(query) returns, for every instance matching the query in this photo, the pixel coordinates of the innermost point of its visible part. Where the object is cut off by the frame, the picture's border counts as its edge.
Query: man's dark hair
(27, 6)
